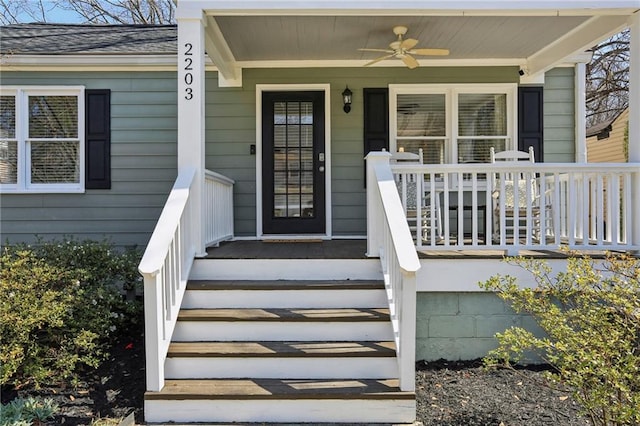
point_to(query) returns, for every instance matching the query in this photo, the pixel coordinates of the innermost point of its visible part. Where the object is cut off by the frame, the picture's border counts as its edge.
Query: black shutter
(530, 120)
(98, 139)
(376, 120)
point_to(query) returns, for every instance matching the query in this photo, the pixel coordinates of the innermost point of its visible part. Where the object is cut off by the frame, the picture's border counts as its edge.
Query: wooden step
(254, 389)
(285, 400)
(285, 315)
(361, 324)
(285, 294)
(293, 360)
(285, 285)
(281, 349)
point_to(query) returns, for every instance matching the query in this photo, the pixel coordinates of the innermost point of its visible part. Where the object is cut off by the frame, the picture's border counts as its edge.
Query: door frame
(326, 88)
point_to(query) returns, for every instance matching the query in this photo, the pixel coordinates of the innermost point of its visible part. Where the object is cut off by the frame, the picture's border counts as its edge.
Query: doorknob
(321, 168)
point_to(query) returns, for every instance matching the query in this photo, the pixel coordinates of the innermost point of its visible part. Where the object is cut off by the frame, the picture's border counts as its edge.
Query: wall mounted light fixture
(346, 99)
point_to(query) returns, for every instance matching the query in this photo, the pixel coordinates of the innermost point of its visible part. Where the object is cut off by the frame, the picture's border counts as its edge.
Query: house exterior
(606, 140)
(158, 144)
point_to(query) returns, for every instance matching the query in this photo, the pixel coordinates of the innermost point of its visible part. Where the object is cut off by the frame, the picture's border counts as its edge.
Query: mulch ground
(114, 390)
(448, 393)
(465, 393)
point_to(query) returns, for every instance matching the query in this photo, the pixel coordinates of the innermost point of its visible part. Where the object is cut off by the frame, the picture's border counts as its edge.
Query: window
(453, 124)
(41, 139)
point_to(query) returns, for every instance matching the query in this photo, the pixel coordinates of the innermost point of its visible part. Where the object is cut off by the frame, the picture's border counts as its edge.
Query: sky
(53, 14)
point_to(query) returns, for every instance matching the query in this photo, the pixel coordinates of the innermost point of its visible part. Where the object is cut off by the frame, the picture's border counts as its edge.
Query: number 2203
(188, 67)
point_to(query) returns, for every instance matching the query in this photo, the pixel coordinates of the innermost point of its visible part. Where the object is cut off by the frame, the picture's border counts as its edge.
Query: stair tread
(282, 349)
(287, 315)
(280, 389)
(285, 285)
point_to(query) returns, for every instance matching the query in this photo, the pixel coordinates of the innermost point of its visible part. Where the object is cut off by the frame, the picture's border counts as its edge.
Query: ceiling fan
(403, 49)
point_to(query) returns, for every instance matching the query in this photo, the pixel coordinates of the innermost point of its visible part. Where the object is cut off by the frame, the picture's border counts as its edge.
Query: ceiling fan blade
(382, 58)
(375, 50)
(429, 52)
(409, 43)
(409, 61)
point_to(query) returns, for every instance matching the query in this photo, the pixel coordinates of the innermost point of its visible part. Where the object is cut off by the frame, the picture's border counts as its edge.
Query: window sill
(6, 191)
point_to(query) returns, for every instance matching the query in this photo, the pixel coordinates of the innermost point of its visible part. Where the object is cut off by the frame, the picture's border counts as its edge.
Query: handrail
(165, 267)
(399, 261)
(218, 206)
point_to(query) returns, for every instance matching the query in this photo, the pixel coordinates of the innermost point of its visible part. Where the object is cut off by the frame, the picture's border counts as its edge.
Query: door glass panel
(306, 136)
(280, 113)
(293, 166)
(306, 113)
(279, 136)
(293, 112)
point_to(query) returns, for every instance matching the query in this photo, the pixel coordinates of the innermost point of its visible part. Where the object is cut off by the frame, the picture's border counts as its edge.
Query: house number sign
(188, 67)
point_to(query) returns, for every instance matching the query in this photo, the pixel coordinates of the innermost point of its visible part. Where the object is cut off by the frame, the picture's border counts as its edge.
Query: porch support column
(634, 122)
(581, 112)
(191, 92)
(374, 203)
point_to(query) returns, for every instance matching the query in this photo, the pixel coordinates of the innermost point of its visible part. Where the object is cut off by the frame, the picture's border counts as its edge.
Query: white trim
(451, 92)
(413, 7)
(229, 74)
(580, 113)
(168, 63)
(326, 88)
(575, 41)
(475, 271)
(24, 185)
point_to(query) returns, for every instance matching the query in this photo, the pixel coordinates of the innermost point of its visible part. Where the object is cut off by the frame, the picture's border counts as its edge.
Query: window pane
(8, 162)
(7, 117)
(55, 162)
(482, 114)
(421, 115)
(478, 150)
(53, 117)
(432, 150)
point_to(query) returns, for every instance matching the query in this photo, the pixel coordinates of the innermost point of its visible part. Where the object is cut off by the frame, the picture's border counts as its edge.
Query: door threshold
(294, 238)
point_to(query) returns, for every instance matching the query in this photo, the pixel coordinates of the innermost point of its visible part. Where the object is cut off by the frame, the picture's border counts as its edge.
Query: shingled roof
(72, 39)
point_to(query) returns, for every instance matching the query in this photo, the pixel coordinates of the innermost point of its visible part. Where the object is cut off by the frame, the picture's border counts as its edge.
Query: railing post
(374, 205)
(408, 332)
(191, 111)
(153, 323)
(634, 123)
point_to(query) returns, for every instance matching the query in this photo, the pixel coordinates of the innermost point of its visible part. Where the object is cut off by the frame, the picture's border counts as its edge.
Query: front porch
(430, 228)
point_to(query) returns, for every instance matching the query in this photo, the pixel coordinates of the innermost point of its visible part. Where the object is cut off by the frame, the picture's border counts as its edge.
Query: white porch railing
(524, 206)
(218, 206)
(399, 260)
(169, 256)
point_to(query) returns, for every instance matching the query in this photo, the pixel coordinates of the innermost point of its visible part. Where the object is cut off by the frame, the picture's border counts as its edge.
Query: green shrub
(61, 304)
(27, 411)
(591, 317)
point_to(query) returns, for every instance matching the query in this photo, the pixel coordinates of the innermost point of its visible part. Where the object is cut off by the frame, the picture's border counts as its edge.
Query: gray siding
(144, 146)
(143, 149)
(231, 130)
(559, 116)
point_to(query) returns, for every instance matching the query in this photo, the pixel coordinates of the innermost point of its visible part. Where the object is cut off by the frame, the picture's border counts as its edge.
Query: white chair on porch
(409, 196)
(524, 184)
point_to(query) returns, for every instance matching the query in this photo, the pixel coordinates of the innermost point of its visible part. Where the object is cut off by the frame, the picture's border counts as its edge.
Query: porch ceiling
(535, 40)
(274, 38)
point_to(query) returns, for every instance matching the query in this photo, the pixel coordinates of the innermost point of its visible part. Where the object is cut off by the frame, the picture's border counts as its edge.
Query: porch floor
(349, 249)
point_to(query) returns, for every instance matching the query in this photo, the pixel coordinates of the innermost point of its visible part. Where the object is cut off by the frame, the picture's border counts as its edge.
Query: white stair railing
(167, 261)
(389, 238)
(218, 205)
